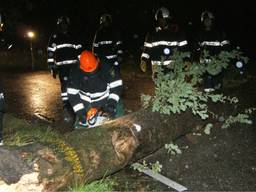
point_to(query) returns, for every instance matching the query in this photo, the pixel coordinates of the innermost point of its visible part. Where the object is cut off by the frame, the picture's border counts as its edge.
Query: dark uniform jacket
(107, 45)
(4, 45)
(63, 49)
(159, 45)
(94, 90)
(213, 41)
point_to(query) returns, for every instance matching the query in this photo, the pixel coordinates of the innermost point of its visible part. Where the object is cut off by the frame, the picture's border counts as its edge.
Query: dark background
(132, 16)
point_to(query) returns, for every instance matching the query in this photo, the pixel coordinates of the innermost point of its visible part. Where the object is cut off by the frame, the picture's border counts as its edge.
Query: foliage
(179, 89)
(207, 129)
(155, 167)
(216, 63)
(250, 110)
(140, 167)
(239, 118)
(173, 149)
(96, 186)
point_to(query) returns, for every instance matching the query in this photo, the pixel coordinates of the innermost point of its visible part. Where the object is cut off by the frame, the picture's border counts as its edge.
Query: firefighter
(107, 43)
(159, 45)
(92, 89)
(1, 94)
(213, 40)
(3, 46)
(1, 114)
(1, 22)
(63, 54)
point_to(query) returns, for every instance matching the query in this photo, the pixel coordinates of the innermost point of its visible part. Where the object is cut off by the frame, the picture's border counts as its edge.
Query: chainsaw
(94, 118)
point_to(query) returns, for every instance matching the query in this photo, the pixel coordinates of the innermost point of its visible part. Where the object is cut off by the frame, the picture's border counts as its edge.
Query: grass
(96, 186)
(27, 135)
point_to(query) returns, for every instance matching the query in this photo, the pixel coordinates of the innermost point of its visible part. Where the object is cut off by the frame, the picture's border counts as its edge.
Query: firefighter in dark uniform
(5, 43)
(213, 40)
(159, 45)
(94, 87)
(107, 43)
(63, 54)
(1, 114)
(2, 46)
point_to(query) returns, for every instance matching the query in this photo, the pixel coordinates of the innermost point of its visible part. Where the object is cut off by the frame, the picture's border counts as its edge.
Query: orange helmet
(88, 62)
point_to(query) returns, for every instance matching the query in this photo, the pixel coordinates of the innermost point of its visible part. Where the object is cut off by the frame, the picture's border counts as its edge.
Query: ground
(224, 160)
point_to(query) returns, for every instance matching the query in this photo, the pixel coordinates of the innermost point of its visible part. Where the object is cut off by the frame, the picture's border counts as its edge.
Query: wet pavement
(32, 95)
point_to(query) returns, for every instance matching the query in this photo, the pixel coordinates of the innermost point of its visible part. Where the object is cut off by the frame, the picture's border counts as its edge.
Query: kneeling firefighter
(94, 91)
(1, 114)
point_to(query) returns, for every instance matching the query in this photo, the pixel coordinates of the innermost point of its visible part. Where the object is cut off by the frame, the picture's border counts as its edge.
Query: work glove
(82, 121)
(109, 110)
(143, 66)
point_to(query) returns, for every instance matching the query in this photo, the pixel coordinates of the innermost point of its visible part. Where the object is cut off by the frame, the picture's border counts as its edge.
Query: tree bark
(87, 154)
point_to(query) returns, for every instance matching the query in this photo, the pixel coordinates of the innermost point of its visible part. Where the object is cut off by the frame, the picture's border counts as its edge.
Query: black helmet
(63, 24)
(206, 14)
(106, 18)
(162, 12)
(63, 20)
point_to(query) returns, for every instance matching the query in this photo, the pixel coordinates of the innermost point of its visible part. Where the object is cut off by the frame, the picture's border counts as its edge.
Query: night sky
(132, 16)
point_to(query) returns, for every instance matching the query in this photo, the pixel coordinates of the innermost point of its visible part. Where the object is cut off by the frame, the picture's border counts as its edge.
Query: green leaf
(207, 129)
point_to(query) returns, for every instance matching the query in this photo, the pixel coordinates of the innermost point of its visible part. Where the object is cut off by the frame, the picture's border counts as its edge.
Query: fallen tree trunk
(85, 155)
